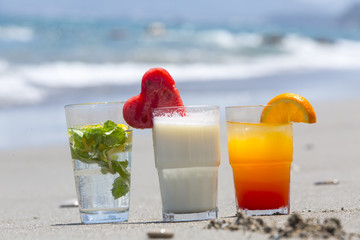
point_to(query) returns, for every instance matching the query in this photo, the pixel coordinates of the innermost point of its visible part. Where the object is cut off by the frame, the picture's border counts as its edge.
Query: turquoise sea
(48, 63)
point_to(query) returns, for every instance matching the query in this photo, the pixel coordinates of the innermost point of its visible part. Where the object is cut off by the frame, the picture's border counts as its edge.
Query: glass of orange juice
(260, 155)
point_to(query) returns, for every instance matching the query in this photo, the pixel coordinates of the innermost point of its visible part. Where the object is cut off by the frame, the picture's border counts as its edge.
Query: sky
(185, 9)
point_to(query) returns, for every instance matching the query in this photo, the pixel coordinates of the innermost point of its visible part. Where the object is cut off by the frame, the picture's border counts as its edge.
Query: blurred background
(219, 52)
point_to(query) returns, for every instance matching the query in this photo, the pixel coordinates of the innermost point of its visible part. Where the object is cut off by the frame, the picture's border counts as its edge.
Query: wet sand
(34, 182)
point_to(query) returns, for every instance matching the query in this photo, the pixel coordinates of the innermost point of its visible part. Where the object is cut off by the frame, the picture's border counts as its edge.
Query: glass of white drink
(187, 157)
(100, 145)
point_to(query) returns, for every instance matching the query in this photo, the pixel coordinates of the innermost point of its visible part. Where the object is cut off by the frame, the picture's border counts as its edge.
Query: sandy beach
(34, 182)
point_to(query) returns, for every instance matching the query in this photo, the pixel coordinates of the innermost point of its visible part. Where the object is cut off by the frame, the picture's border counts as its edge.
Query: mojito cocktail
(100, 146)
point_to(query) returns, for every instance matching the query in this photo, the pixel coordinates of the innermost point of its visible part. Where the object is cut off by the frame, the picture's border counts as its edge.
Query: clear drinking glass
(100, 145)
(260, 155)
(187, 157)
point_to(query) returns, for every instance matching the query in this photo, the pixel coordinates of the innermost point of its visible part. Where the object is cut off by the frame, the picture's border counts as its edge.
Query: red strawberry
(157, 90)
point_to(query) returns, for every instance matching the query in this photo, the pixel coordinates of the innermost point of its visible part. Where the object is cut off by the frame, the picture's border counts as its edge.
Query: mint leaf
(121, 168)
(99, 144)
(121, 184)
(109, 125)
(113, 137)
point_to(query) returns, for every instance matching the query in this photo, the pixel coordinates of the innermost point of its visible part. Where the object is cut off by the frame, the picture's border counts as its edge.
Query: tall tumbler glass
(260, 155)
(187, 157)
(100, 145)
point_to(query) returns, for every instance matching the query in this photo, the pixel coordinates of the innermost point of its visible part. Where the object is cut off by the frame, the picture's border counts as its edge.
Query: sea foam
(28, 82)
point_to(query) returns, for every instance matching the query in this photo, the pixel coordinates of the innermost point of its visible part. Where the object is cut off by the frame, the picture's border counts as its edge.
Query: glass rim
(248, 106)
(249, 114)
(92, 104)
(189, 107)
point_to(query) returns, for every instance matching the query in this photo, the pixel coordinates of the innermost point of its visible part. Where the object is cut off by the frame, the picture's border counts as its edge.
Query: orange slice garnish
(288, 107)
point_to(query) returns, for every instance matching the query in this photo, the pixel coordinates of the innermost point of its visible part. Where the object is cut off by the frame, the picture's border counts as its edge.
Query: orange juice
(261, 155)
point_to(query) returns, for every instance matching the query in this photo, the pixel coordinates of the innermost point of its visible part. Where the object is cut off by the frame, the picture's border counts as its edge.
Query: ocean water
(48, 63)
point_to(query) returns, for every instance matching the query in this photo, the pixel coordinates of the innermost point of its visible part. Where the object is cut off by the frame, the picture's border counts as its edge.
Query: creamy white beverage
(187, 156)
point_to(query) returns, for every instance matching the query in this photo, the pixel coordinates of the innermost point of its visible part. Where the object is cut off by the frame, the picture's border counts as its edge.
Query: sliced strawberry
(157, 90)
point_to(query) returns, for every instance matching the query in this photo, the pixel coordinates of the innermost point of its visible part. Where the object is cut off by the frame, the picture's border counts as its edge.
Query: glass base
(185, 217)
(103, 217)
(279, 211)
